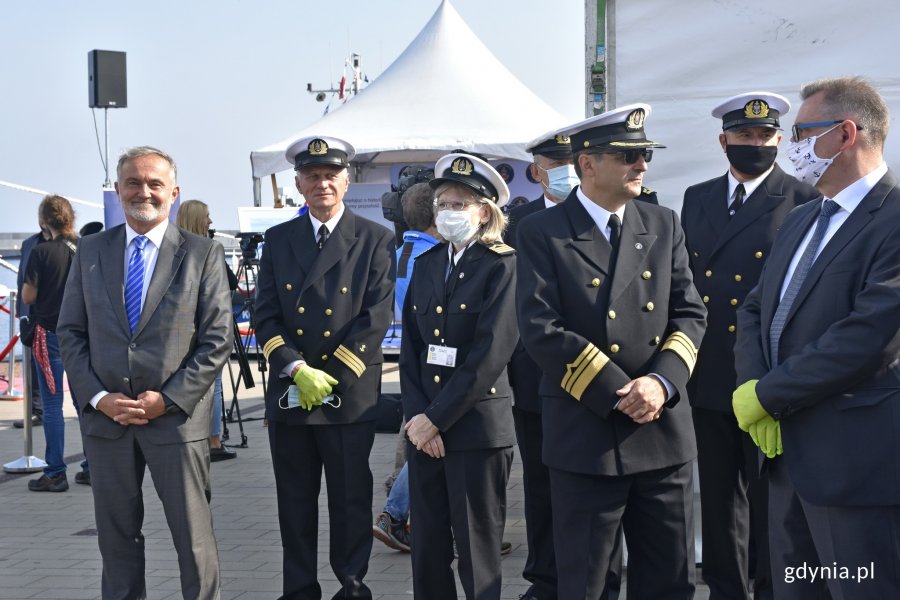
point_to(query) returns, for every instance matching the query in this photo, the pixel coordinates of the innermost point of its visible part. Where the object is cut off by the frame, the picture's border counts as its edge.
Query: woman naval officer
(459, 331)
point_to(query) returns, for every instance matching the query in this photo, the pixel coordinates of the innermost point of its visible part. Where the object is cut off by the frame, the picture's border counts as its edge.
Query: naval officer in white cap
(730, 222)
(608, 311)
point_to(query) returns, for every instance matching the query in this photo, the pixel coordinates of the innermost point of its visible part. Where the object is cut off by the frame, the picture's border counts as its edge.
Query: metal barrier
(11, 392)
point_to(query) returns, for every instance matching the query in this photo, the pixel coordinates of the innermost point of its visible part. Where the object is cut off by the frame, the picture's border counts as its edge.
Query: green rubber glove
(746, 405)
(766, 433)
(314, 385)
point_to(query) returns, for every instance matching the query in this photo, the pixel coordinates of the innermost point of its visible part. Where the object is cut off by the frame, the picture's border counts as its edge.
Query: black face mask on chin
(751, 160)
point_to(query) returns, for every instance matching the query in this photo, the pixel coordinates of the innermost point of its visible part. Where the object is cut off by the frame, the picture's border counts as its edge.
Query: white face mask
(808, 167)
(561, 180)
(456, 226)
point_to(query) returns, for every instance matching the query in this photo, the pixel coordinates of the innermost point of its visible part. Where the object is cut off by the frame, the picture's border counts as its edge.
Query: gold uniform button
(611, 314)
(437, 378)
(738, 278)
(650, 306)
(656, 340)
(595, 282)
(324, 357)
(614, 348)
(327, 334)
(301, 310)
(437, 332)
(758, 254)
(734, 301)
(696, 254)
(646, 275)
(414, 307)
(732, 328)
(327, 312)
(289, 287)
(343, 290)
(439, 310)
(493, 390)
(705, 299)
(462, 307)
(708, 273)
(299, 332)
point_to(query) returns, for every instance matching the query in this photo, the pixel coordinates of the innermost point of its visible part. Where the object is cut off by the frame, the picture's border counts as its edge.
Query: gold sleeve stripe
(272, 344)
(351, 360)
(583, 370)
(682, 345)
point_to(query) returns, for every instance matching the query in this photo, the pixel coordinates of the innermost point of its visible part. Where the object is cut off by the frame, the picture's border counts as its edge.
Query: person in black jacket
(459, 331)
(728, 241)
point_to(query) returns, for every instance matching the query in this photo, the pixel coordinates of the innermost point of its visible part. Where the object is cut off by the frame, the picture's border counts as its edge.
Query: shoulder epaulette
(502, 249)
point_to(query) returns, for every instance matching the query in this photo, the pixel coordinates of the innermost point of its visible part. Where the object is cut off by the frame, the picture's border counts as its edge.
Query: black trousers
(733, 499)
(655, 508)
(864, 540)
(299, 453)
(460, 497)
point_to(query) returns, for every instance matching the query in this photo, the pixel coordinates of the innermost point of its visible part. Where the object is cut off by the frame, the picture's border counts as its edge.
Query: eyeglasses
(798, 127)
(631, 156)
(452, 205)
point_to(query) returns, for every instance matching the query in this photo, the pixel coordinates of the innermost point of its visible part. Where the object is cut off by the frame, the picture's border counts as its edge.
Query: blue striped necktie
(134, 282)
(829, 208)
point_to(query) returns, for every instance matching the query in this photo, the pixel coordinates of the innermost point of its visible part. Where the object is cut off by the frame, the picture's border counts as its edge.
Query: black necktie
(323, 235)
(738, 200)
(615, 232)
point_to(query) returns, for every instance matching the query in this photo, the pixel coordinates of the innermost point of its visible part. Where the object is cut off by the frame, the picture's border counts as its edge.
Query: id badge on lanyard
(441, 356)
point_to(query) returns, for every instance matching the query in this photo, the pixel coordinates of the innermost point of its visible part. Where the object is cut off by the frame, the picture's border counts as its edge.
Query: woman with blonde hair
(193, 215)
(459, 332)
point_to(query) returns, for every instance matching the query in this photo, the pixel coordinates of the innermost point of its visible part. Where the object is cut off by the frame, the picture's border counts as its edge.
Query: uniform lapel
(336, 248)
(437, 276)
(764, 199)
(715, 205)
(168, 261)
(587, 240)
(634, 248)
(112, 266)
(303, 243)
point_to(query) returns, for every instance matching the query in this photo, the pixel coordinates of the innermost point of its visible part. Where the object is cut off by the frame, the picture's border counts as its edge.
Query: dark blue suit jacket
(837, 388)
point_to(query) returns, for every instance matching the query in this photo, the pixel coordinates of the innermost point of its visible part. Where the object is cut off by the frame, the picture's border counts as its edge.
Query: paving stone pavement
(48, 546)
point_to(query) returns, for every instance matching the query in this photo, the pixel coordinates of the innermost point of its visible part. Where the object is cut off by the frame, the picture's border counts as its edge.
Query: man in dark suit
(817, 353)
(617, 439)
(325, 301)
(145, 326)
(553, 169)
(729, 224)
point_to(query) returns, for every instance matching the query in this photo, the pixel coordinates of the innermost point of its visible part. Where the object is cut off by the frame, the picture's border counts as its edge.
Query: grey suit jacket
(180, 344)
(836, 388)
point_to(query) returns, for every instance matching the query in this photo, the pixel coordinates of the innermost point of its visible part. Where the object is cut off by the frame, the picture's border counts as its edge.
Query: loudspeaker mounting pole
(106, 183)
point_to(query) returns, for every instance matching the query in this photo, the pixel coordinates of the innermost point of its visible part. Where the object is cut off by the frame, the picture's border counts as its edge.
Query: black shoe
(57, 483)
(35, 421)
(505, 548)
(83, 477)
(394, 534)
(529, 595)
(221, 453)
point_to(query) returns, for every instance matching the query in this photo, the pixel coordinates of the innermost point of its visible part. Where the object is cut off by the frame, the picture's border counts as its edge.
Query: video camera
(391, 207)
(249, 244)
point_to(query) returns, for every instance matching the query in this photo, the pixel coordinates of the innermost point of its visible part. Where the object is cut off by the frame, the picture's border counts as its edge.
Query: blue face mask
(561, 181)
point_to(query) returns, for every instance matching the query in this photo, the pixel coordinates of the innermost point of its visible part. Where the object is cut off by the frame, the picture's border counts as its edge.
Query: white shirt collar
(331, 223)
(155, 235)
(599, 214)
(749, 186)
(548, 203)
(850, 197)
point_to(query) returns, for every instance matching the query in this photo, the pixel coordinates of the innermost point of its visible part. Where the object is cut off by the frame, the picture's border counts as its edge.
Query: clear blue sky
(210, 81)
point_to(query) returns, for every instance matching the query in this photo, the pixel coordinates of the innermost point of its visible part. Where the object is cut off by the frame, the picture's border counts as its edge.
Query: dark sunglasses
(631, 156)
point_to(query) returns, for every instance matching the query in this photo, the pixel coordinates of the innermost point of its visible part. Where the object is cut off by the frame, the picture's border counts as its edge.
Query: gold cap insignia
(635, 120)
(562, 140)
(317, 147)
(461, 166)
(756, 109)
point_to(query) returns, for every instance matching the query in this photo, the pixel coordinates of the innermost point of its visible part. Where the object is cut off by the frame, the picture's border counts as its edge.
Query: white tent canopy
(445, 91)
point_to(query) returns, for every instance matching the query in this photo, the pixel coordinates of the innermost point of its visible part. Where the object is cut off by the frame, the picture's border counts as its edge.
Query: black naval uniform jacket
(329, 307)
(591, 336)
(727, 256)
(469, 403)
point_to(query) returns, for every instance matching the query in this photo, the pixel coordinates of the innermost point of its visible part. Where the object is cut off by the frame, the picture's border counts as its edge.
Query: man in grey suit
(818, 357)
(144, 328)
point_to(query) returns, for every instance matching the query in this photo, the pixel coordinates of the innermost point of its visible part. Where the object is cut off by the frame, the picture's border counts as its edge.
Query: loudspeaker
(107, 87)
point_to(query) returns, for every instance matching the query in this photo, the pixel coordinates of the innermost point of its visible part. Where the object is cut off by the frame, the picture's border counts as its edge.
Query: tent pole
(275, 191)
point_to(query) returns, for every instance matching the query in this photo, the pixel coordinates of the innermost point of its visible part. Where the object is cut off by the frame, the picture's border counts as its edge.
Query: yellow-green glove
(314, 385)
(766, 433)
(746, 405)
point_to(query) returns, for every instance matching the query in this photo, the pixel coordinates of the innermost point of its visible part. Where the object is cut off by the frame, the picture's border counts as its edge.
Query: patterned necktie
(738, 200)
(829, 208)
(323, 235)
(134, 282)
